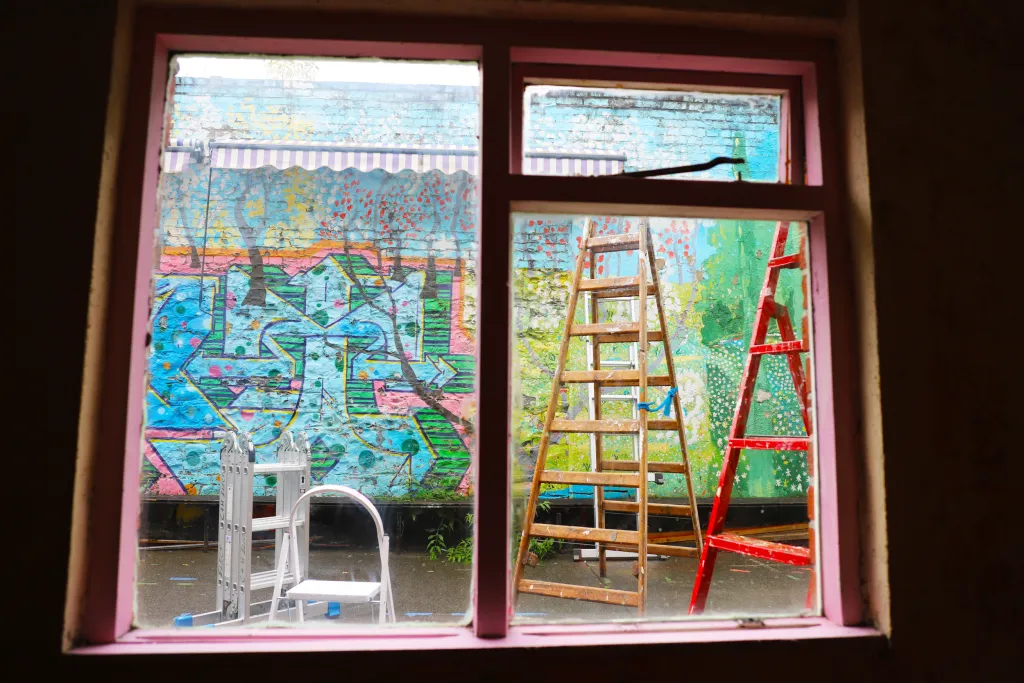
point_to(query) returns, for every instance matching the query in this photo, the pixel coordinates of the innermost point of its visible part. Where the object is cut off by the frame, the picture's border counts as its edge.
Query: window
(240, 348)
(314, 296)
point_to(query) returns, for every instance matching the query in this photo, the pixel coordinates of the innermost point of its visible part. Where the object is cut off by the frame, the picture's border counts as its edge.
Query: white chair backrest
(387, 605)
(345, 491)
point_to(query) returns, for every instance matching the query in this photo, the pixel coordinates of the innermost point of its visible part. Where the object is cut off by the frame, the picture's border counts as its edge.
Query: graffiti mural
(711, 272)
(339, 298)
(339, 304)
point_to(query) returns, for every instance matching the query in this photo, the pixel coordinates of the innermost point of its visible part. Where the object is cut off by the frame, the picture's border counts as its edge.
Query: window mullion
(492, 473)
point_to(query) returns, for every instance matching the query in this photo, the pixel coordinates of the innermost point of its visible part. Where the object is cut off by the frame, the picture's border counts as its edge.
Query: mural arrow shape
(433, 371)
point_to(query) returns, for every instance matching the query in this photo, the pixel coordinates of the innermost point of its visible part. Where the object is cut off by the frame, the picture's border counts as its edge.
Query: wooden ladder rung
(583, 533)
(565, 590)
(614, 378)
(577, 376)
(625, 292)
(672, 550)
(583, 330)
(597, 285)
(627, 337)
(623, 242)
(590, 478)
(652, 508)
(634, 466)
(595, 426)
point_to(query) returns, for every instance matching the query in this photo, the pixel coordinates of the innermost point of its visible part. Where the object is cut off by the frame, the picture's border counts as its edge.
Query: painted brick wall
(346, 113)
(659, 129)
(652, 129)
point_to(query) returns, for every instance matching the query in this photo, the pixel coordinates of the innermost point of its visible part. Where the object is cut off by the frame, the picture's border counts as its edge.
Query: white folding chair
(334, 591)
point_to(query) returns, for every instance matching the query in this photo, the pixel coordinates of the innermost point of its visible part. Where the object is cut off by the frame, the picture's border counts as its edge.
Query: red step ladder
(715, 539)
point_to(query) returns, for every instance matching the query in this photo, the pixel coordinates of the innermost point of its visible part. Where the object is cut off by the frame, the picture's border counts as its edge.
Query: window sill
(462, 638)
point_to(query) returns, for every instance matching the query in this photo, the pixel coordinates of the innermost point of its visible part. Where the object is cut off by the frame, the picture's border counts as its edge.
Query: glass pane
(313, 295)
(573, 130)
(708, 276)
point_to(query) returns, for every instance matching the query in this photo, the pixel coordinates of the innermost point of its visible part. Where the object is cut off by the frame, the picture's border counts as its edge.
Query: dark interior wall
(936, 76)
(938, 95)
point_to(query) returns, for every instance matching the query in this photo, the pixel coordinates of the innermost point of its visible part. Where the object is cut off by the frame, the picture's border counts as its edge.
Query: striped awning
(569, 163)
(248, 154)
(179, 154)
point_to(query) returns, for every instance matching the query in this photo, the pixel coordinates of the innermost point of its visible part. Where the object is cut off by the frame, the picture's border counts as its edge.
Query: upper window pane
(313, 323)
(571, 130)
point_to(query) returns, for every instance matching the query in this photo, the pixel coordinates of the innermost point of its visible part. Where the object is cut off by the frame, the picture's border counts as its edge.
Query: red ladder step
(765, 550)
(790, 261)
(772, 443)
(795, 346)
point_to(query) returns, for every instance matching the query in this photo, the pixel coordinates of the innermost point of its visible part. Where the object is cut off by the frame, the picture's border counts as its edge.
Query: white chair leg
(282, 565)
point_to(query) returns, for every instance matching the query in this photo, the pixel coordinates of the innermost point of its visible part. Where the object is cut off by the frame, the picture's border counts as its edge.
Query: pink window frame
(113, 507)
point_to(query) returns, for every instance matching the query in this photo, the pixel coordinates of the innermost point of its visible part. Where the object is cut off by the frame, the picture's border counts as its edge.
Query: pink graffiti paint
(166, 484)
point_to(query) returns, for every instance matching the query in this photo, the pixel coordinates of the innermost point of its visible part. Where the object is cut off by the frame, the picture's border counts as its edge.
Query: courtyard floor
(172, 582)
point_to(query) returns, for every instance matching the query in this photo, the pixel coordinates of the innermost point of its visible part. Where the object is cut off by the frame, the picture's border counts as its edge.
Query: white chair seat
(335, 591)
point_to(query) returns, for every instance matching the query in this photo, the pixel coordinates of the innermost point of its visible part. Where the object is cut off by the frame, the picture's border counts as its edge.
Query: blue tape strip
(665, 406)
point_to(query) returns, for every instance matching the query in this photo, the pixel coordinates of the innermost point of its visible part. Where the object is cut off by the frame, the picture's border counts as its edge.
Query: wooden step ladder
(716, 539)
(618, 473)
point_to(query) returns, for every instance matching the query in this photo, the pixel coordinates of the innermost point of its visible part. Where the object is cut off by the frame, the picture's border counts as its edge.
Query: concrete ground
(171, 582)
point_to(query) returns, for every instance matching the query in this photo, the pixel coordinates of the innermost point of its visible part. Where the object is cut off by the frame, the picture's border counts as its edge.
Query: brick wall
(653, 129)
(659, 129)
(346, 113)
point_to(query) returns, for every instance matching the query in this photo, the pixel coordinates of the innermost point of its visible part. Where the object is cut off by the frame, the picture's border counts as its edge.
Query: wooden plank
(585, 533)
(594, 285)
(634, 466)
(594, 426)
(615, 378)
(655, 381)
(772, 443)
(652, 508)
(628, 337)
(623, 292)
(760, 548)
(672, 550)
(663, 425)
(578, 376)
(622, 242)
(590, 478)
(564, 590)
(604, 328)
(777, 532)
(795, 346)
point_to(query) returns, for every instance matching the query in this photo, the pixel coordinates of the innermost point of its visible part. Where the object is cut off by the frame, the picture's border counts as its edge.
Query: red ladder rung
(765, 550)
(795, 346)
(772, 443)
(791, 261)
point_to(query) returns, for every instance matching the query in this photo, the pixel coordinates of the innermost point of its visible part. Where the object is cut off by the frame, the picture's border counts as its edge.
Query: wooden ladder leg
(642, 367)
(677, 404)
(545, 441)
(598, 438)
